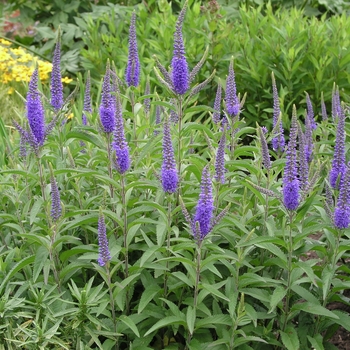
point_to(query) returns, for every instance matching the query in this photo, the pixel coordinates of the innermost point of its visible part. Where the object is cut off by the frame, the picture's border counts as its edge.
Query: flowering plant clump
(179, 225)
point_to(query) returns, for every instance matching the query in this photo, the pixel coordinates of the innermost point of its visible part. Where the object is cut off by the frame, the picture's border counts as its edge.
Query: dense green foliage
(305, 53)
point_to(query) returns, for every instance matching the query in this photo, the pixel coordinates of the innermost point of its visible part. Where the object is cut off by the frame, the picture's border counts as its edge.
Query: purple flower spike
(158, 114)
(147, 101)
(169, 175)
(278, 141)
(87, 99)
(119, 144)
(303, 160)
(336, 105)
(133, 67)
(264, 149)
(35, 112)
(220, 160)
(205, 206)
(56, 209)
(290, 178)
(104, 255)
(309, 146)
(107, 107)
(56, 79)
(323, 108)
(310, 112)
(217, 105)
(179, 68)
(232, 102)
(338, 163)
(342, 209)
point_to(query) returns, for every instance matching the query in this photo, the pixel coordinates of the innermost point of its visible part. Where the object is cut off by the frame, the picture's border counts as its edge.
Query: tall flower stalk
(122, 165)
(201, 225)
(278, 141)
(291, 198)
(108, 117)
(56, 212)
(104, 256)
(107, 106)
(338, 163)
(87, 99)
(132, 74)
(56, 85)
(266, 161)
(179, 67)
(169, 174)
(217, 104)
(291, 186)
(340, 216)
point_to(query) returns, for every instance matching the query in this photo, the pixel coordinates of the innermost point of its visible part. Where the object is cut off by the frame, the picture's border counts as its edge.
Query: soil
(341, 339)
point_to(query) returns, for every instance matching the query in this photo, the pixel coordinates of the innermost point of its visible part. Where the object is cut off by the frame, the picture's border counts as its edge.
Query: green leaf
(148, 295)
(212, 290)
(130, 323)
(182, 277)
(212, 321)
(40, 260)
(19, 266)
(35, 210)
(149, 253)
(316, 342)
(166, 321)
(290, 339)
(191, 319)
(327, 276)
(274, 250)
(305, 294)
(278, 294)
(343, 319)
(315, 310)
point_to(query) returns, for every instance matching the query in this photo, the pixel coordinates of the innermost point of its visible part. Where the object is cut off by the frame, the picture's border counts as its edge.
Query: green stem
(333, 269)
(125, 236)
(42, 184)
(53, 257)
(179, 112)
(110, 169)
(132, 102)
(168, 247)
(111, 299)
(289, 267)
(196, 286)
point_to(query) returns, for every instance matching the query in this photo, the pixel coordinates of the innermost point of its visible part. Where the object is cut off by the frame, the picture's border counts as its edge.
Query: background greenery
(306, 52)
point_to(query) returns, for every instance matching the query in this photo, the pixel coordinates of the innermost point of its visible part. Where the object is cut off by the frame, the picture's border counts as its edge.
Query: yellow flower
(5, 42)
(66, 80)
(69, 116)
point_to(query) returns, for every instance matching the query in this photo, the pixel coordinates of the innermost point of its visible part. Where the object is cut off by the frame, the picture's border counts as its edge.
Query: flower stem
(289, 268)
(125, 235)
(168, 247)
(196, 286)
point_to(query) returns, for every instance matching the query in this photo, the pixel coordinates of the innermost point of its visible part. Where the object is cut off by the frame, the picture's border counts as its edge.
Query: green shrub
(305, 54)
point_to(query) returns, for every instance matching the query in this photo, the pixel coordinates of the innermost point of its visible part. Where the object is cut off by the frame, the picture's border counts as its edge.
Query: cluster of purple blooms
(178, 80)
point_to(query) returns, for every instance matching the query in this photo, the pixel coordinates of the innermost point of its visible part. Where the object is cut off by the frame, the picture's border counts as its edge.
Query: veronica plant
(202, 224)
